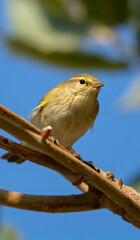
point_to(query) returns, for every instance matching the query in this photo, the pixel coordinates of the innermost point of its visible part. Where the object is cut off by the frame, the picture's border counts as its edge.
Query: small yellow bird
(70, 108)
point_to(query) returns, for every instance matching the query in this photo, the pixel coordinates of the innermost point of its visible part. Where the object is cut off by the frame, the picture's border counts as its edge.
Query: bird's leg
(76, 154)
(46, 133)
(89, 163)
(55, 141)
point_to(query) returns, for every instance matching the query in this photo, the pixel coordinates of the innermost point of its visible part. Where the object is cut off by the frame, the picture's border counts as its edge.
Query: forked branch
(118, 198)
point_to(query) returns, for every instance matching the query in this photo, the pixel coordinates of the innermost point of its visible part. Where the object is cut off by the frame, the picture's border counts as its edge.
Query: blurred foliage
(57, 31)
(108, 12)
(8, 233)
(78, 33)
(130, 100)
(136, 183)
(74, 59)
(134, 6)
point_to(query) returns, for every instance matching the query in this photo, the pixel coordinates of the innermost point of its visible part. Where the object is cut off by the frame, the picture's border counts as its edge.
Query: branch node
(110, 176)
(78, 182)
(120, 182)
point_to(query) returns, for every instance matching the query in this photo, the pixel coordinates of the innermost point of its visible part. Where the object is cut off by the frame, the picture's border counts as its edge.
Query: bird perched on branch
(70, 108)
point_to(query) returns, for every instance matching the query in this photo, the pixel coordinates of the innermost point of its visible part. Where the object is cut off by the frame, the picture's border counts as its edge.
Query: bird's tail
(10, 157)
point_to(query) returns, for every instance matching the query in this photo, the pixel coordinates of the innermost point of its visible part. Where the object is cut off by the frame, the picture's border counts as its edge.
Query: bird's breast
(70, 119)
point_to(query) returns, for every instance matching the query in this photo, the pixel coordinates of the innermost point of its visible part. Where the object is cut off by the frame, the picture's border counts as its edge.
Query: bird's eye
(82, 81)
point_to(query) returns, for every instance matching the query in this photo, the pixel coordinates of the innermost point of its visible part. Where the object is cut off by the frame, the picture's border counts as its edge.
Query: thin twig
(125, 201)
(41, 159)
(52, 204)
(90, 176)
(46, 161)
(13, 117)
(9, 115)
(91, 200)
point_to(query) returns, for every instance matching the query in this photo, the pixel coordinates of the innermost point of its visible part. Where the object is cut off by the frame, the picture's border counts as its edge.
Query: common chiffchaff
(70, 108)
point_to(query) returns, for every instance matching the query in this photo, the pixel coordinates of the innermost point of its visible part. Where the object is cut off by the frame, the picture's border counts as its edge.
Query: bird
(70, 108)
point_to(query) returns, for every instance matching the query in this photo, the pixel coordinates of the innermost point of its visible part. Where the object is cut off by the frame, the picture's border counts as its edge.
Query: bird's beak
(98, 85)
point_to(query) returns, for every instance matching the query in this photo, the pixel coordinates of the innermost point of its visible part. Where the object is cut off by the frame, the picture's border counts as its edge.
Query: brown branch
(46, 161)
(41, 159)
(89, 175)
(91, 200)
(36, 158)
(13, 117)
(52, 204)
(122, 200)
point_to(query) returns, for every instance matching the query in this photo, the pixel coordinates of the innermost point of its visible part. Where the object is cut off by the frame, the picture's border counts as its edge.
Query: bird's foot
(76, 154)
(55, 141)
(89, 163)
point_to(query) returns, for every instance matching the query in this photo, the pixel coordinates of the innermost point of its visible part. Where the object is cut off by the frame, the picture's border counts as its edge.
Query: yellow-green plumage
(70, 109)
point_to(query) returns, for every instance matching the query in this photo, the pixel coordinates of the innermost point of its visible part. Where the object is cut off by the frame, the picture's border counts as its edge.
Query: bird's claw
(55, 141)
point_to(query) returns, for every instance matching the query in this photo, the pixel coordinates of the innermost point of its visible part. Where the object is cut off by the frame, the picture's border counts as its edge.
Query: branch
(120, 199)
(91, 200)
(99, 200)
(13, 117)
(41, 159)
(51, 204)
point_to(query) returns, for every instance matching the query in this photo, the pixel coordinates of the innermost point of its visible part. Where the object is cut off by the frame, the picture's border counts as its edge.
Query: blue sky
(112, 146)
